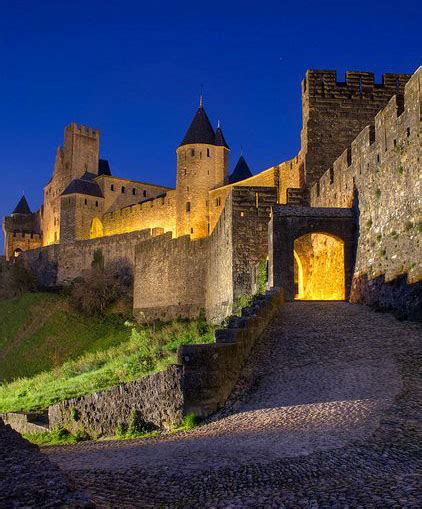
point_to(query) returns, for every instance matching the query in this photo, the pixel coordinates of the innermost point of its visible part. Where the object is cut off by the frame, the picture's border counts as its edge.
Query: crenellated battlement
(357, 83)
(18, 235)
(382, 167)
(83, 130)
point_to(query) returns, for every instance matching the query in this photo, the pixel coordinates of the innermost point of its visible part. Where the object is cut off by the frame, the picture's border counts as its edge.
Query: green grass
(58, 436)
(101, 352)
(39, 331)
(62, 436)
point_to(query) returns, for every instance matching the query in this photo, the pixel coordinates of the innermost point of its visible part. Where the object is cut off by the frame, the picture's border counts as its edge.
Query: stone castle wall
(383, 166)
(282, 176)
(73, 259)
(181, 277)
(155, 213)
(334, 113)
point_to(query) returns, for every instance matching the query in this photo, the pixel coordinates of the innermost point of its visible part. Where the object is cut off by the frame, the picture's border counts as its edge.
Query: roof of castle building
(220, 141)
(84, 185)
(22, 207)
(103, 167)
(200, 130)
(240, 172)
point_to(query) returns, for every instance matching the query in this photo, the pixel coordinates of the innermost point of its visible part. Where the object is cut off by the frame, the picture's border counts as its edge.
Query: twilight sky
(135, 71)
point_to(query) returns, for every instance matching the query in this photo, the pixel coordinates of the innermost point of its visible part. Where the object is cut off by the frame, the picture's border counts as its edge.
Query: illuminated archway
(97, 229)
(298, 278)
(319, 267)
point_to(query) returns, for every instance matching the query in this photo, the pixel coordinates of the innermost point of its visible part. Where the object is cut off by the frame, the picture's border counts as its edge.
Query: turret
(21, 230)
(202, 161)
(240, 172)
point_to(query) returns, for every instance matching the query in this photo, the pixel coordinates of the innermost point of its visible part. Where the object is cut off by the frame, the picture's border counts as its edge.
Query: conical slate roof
(219, 138)
(200, 130)
(22, 207)
(103, 167)
(84, 185)
(241, 171)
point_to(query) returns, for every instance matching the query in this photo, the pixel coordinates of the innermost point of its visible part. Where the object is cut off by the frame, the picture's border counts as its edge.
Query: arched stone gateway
(320, 244)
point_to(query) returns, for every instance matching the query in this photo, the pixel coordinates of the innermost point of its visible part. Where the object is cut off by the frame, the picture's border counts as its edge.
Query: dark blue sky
(135, 70)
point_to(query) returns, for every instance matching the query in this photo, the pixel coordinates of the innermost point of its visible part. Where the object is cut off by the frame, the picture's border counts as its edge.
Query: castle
(212, 228)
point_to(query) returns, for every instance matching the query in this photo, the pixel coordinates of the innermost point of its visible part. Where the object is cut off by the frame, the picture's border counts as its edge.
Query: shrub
(102, 285)
(15, 280)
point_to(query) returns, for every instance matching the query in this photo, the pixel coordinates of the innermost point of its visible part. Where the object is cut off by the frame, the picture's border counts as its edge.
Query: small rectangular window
(112, 187)
(133, 191)
(208, 152)
(96, 204)
(86, 201)
(123, 189)
(188, 206)
(145, 193)
(192, 152)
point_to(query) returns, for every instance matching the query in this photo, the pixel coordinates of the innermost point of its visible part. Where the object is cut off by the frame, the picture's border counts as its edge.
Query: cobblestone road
(325, 415)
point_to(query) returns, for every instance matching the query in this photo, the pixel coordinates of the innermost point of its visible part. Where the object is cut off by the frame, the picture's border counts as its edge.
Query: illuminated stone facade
(84, 202)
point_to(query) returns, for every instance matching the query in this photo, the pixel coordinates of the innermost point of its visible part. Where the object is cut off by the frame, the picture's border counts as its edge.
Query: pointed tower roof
(200, 130)
(220, 141)
(241, 171)
(22, 207)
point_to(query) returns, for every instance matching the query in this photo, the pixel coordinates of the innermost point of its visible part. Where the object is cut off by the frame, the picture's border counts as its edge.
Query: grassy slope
(39, 331)
(61, 354)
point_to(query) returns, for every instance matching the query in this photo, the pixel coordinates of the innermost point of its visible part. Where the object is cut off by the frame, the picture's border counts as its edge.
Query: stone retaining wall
(157, 399)
(26, 422)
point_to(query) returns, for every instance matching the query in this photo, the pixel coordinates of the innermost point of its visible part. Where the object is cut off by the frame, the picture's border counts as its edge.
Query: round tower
(202, 162)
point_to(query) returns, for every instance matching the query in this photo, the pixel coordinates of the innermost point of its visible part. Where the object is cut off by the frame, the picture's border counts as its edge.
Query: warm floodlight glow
(97, 229)
(319, 267)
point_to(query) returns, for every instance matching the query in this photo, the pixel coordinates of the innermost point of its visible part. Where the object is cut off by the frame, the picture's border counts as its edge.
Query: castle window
(395, 143)
(242, 214)
(331, 175)
(408, 132)
(191, 230)
(208, 152)
(218, 202)
(123, 189)
(112, 187)
(133, 191)
(86, 201)
(188, 206)
(378, 158)
(192, 152)
(187, 189)
(145, 193)
(96, 204)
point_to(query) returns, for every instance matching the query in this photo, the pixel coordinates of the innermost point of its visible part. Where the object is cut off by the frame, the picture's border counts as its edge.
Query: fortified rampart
(62, 263)
(382, 169)
(334, 113)
(156, 212)
(181, 277)
(282, 176)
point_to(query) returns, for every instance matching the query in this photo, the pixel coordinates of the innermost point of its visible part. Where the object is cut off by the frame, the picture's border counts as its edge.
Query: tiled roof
(219, 138)
(241, 171)
(103, 167)
(22, 207)
(200, 130)
(83, 186)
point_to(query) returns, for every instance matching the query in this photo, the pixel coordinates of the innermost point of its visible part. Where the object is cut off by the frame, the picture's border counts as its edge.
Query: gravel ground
(324, 415)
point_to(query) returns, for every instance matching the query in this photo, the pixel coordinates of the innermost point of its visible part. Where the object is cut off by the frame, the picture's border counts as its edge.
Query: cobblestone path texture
(325, 415)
